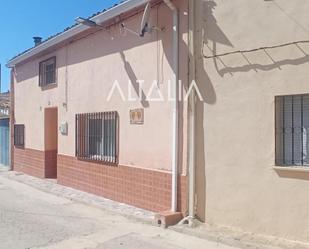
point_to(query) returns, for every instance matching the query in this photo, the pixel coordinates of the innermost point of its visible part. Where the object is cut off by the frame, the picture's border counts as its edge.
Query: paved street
(30, 218)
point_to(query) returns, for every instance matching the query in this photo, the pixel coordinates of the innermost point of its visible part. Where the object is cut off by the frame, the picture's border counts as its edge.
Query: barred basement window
(292, 130)
(19, 135)
(47, 74)
(97, 136)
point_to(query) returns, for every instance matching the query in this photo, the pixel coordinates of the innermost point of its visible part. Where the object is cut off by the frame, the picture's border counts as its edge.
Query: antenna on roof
(145, 27)
(145, 24)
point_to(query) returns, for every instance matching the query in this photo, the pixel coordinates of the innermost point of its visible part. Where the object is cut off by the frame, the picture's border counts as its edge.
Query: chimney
(37, 40)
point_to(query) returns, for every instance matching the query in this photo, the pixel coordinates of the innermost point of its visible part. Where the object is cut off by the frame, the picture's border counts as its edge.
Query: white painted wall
(90, 66)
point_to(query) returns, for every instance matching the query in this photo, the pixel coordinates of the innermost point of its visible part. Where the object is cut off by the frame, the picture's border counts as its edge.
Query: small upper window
(19, 135)
(47, 72)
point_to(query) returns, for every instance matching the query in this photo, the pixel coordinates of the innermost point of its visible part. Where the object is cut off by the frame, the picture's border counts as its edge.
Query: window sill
(291, 168)
(93, 160)
(49, 86)
(21, 147)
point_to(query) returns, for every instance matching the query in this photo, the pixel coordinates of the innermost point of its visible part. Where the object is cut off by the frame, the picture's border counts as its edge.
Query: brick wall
(142, 188)
(28, 161)
(42, 164)
(51, 164)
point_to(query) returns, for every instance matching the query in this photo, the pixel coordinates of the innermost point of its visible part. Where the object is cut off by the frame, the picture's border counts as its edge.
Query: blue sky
(22, 19)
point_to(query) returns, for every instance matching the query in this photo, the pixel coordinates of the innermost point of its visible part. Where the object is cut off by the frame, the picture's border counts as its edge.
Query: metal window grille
(47, 74)
(292, 130)
(97, 136)
(19, 135)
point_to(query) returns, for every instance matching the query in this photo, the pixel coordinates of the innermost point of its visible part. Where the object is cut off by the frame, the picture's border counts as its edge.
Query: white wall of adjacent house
(86, 71)
(237, 184)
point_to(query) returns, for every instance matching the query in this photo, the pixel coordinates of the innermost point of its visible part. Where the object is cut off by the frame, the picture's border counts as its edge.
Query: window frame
(279, 162)
(42, 75)
(20, 140)
(85, 139)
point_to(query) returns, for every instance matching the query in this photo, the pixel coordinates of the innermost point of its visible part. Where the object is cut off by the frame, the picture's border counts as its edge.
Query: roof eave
(100, 18)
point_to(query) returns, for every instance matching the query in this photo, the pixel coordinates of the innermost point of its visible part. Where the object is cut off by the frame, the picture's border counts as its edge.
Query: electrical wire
(256, 49)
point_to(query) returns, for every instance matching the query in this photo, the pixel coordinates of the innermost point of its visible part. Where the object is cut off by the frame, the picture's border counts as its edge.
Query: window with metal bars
(19, 135)
(97, 136)
(292, 130)
(47, 74)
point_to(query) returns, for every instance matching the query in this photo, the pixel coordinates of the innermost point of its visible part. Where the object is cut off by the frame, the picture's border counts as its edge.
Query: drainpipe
(175, 104)
(190, 219)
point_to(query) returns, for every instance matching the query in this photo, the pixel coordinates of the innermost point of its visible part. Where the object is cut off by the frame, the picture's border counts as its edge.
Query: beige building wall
(237, 183)
(86, 71)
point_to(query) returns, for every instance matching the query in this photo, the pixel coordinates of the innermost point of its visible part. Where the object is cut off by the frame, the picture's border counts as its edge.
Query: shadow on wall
(266, 67)
(133, 78)
(214, 35)
(210, 35)
(207, 30)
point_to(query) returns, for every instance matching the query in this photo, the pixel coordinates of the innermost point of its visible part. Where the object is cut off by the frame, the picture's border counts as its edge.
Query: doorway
(4, 141)
(51, 142)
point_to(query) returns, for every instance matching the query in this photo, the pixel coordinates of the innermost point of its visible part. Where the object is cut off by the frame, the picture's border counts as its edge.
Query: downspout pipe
(175, 104)
(190, 219)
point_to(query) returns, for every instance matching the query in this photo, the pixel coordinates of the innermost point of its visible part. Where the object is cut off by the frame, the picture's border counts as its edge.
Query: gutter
(100, 18)
(175, 104)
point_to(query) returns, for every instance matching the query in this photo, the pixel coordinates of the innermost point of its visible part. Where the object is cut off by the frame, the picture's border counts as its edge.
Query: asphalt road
(30, 218)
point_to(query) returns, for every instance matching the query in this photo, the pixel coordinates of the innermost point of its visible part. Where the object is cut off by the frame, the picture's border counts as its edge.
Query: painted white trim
(101, 18)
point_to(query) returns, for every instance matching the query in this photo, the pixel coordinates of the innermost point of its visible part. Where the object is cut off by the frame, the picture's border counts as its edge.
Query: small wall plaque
(137, 116)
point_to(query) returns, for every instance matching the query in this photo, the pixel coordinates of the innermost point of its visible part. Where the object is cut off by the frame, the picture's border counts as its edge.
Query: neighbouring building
(241, 152)
(4, 129)
(252, 130)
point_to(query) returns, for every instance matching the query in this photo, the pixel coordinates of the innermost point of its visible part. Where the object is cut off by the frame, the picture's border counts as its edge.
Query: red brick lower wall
(144, 188)
(147, 189)
(28, 161)
(51, 164)
(42, 164)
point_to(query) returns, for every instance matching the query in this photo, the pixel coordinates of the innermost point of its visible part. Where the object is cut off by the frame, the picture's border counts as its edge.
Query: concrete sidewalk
(51, 186)
(137, 221)
(31, 218)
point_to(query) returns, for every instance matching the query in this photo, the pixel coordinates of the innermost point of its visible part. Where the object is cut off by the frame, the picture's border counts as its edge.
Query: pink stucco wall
(86, 70)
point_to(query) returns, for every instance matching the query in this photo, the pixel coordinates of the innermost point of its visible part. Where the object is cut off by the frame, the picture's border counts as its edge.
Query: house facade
(242, 141)
(251, 144)
(88, 127)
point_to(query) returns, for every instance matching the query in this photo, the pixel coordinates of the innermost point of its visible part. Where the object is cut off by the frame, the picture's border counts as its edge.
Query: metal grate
(19, 135)
(292, 130)
(97, 136)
